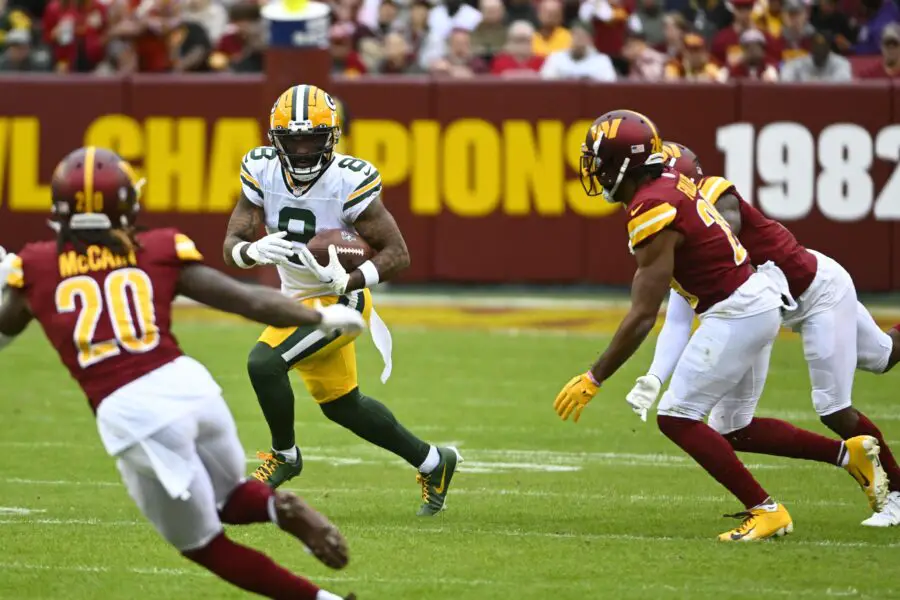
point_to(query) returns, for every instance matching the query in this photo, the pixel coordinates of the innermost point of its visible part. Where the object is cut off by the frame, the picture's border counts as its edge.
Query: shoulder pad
(714, 187)
(362, 181)
(647, 217)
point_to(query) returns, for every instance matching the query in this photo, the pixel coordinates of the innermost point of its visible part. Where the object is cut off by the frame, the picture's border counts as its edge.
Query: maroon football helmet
(93, 188)
(617, 144)
(682, 159)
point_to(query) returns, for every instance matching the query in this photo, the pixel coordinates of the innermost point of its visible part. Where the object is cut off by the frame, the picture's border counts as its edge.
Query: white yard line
(19, 510)
(658, 499)
(490, 461)
(687, 589)
(626, 537)
(467, 531)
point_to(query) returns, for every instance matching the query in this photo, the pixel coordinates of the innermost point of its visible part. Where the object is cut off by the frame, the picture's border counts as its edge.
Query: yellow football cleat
(760, 523)
(865, 467)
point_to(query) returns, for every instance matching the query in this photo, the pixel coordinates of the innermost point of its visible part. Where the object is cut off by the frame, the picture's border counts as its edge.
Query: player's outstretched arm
(377, 226)
(729, 206)
(258, 303)
(656, 263)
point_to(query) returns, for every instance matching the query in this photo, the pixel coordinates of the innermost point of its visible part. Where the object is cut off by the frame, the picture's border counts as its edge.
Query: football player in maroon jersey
(828, 316)
(677, 237)
(103, 295)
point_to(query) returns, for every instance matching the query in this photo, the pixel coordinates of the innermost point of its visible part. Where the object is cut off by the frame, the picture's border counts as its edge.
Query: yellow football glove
(575, 396)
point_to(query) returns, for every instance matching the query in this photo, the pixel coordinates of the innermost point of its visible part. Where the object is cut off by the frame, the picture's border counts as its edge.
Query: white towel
(771, 270)
(382, 338)
(173, 471)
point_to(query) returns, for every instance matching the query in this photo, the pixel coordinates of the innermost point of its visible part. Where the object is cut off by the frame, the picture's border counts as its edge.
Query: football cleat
(275, 469)
(865, 467)
(435, 484)
(302, 521)
(889, 515)
(760, 523)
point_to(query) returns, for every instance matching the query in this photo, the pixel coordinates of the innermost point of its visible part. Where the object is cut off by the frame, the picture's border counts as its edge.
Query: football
(352, 250)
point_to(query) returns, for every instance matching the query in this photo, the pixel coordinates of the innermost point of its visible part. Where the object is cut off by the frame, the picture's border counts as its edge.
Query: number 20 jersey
(710, 264)
(334, 201)
(109, 317)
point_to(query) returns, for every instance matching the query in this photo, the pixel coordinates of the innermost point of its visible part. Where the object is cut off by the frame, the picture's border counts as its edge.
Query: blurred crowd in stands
(599, 40)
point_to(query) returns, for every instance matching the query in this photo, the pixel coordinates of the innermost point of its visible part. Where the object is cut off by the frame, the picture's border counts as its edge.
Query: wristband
(592, 378)
(370, 273)
(236, 255)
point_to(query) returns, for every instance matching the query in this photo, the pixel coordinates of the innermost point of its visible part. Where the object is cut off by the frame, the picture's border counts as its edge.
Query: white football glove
(643, 395)
(344, 318)
(334, 275)
(272, 249)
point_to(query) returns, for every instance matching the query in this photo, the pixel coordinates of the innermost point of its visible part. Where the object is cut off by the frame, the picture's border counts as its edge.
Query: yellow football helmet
(304, 128)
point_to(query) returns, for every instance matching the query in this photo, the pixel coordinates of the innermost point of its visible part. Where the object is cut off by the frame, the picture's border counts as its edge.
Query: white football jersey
(346, 188)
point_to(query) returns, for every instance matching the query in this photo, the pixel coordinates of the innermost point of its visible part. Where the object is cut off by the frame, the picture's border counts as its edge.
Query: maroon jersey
(767, 240)
(710, 264)
(108, 316)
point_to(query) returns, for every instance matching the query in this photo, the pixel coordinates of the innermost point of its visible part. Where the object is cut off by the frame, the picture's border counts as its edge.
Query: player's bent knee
(339, 407)
(264, 361)
(826, 403)
(724, 425)
(670, 406)
(199, 552)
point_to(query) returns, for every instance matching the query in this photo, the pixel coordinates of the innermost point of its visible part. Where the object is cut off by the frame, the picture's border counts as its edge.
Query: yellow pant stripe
(327, 364)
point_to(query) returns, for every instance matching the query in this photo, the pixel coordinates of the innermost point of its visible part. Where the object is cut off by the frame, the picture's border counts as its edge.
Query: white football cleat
(889, 515)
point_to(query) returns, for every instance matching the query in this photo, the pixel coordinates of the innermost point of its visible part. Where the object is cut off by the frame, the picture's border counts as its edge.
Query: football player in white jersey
(297, 187)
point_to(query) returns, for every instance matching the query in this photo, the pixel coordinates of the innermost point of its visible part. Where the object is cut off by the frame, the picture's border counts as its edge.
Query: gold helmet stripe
(89, 154)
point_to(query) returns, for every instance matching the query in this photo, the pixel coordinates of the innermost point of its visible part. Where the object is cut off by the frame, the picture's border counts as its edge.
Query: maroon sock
(248, 503)
(714, 454)
(780, 438)
(251, 570)
(866, 427)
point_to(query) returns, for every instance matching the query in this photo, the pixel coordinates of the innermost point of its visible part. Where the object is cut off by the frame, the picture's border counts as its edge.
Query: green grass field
(542, 509)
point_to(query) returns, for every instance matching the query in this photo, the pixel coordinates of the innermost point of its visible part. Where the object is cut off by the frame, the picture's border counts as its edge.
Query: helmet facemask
(593, 180)
(304, 152)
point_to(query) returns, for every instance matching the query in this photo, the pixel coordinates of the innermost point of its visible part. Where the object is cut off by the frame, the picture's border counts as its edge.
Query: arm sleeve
(364, 191)
(674, 336)
(250, 184)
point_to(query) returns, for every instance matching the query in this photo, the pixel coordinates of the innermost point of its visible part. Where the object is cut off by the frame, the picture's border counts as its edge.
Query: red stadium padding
(481, 175)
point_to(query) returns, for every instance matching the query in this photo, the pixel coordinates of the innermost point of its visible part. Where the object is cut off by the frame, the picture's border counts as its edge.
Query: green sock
(269, 376)
(374, 422)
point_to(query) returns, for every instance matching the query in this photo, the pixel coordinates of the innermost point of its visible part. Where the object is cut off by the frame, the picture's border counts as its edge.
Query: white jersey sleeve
(674, 336)
(362, 187)
(253, 168)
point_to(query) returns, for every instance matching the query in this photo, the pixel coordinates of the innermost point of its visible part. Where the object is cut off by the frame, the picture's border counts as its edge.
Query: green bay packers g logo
(330, 102)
